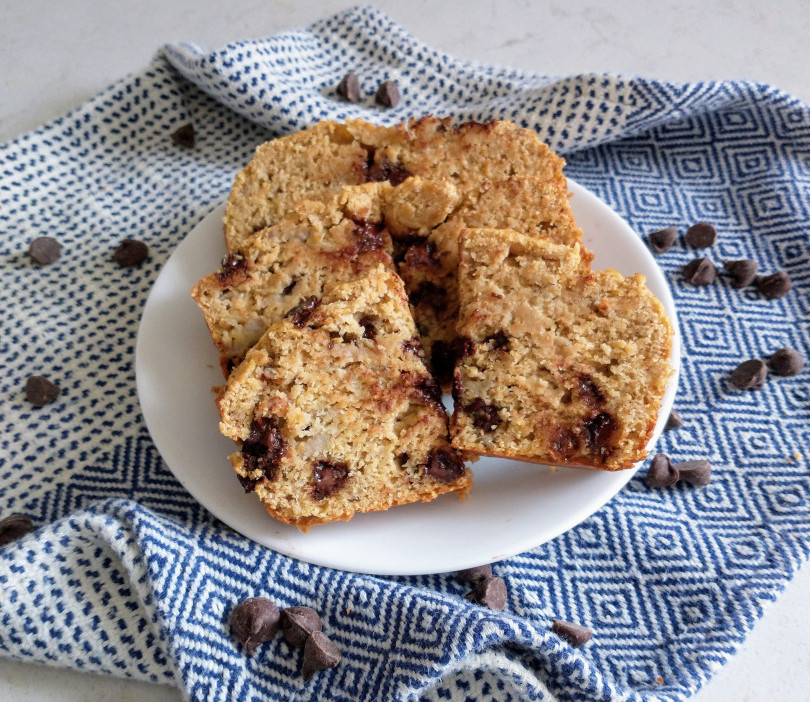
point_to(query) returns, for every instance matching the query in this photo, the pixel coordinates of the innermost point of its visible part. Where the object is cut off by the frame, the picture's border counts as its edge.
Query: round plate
(512, 507)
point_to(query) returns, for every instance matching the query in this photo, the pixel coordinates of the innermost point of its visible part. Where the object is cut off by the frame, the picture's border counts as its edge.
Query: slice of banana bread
(316, 245)
(536, 207)
(315, 163)
(335, 412)
(559, 365)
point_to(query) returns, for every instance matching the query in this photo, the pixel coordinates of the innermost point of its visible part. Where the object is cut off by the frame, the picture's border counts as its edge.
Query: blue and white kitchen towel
(126, 574)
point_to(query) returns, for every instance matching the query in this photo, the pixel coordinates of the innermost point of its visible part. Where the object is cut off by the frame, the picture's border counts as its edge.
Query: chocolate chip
(701, 235)
(574, 634)
(565, 442)
(489, 592)
(387, 94)
(329, 477)
(131, 252)
(394, 173)
(40, 391)
(184, 136)
(247, 483)
(701, 271)
(589, 391)
(264, 447)
(662, 240)
(597, 432)
(464, 346)
(421, 255)
(301, 313)
(349, 87)
(319, 653)
(427, 390)
(498, 341)
(289, 287)
(14, 527)
(674, 421)
(749, 375)
(773, 286)
(232, 270)
(298, 623)
(369, 330)
(444, 465)
(697, 473)
(786, 361)
(661, 472)
(368, 236)
(414, 346)
(44, 250)
(254, 621)
(474, 575)
(742, 272)
(485, 417)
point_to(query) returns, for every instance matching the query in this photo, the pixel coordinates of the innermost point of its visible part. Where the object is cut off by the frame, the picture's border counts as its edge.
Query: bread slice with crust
(559, 365)
(335, 412)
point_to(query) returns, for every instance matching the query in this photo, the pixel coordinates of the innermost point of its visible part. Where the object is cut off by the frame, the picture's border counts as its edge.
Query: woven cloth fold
(127, 575)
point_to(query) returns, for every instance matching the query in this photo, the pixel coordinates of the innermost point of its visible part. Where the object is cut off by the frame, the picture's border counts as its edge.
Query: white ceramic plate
(512, 506)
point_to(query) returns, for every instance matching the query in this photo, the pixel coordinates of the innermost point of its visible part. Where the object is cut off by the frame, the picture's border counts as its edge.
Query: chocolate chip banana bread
(428, 265)
(558, 365)
(317, 244)
(316, 162)
(335, 412)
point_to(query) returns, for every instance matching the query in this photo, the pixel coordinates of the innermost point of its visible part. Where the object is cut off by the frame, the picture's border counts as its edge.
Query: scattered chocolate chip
(254, 621)
(786, 361)
(574, 634)
(485, 417)
(464, 346)
(701, 271)
(319, 653)
(697, 473)
(457, 389)
(589, 391)
(301, 313)
(674, 421)
(40, 391)
(597, 432)
(661, 472)
(232, 270)
(749, 374)
(264, 447)
(474, 575)
(329, 477)
(349, 87)
(369, 330)
(131, 252)
(489, 592)
(14, 527)
(44, 250)
(387, 94)
(298, 623)
(742, 272)
(184, 136)
(498, 341)
(662, 240)
(773, 286)
(444, 465)
(427, 390)
(368, 235)
(701, 235)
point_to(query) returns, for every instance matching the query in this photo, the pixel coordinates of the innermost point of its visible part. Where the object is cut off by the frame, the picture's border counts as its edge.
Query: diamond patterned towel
(126, 574)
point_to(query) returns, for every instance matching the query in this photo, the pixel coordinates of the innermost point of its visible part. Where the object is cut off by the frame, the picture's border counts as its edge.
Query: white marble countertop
(54, 56)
